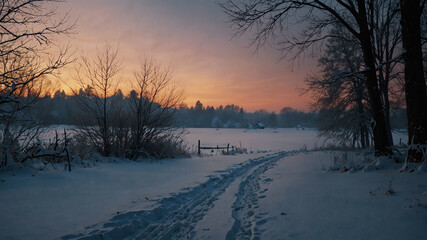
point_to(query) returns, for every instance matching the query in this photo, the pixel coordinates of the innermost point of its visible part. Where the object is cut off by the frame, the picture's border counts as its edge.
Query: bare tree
(138, 125)
(153, 103)
(339, 93)
(415, 84)
(98, 78)
(384, 22)
(386, 35)
(27, 35)
(268, 19)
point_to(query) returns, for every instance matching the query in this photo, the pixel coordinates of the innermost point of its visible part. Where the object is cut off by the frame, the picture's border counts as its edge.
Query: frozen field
(255, 140)
(251, 139)
(283, 193)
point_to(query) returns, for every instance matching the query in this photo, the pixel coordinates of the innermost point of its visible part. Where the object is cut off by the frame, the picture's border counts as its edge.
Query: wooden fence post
(198, 148)
(228, 146)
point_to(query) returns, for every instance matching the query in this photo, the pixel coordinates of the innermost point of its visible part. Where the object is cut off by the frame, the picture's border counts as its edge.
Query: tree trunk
(361, 112)
(384, 82)
(415, 85)
(367, 137)
(381, 142)
(105, 124)
(362, 138)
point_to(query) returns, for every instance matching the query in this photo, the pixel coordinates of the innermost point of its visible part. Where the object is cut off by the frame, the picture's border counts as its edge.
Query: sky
(195, 38)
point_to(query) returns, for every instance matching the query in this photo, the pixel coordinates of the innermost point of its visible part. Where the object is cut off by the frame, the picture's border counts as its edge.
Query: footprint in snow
(267, 180)
(261, 222)
(263, 191)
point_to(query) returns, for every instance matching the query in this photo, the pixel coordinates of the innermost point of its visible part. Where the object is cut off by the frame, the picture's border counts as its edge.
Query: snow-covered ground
(255, 140)
(277, 192)
(269, 139)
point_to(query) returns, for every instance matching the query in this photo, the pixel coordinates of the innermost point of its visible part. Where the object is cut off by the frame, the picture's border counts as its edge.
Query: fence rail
(212, 148)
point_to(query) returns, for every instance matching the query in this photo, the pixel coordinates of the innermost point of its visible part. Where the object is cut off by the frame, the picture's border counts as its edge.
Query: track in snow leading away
(176, 217)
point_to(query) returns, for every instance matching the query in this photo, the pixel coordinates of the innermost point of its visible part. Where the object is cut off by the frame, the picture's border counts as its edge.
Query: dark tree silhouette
(267, 19)
(98, 78)
(27, 35)
(415, 85)
(339, 93)
(153, 108)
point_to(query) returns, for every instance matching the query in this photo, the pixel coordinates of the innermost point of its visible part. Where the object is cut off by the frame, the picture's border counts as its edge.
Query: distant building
(259, 125)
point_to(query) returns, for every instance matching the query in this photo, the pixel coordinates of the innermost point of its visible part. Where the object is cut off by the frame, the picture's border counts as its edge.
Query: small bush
(165, 147)
(344, 161)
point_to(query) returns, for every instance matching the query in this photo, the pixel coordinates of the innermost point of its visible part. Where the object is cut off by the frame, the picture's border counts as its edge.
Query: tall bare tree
(98, 78)
(339, 92)
(28, 30)
(268, 19)
(153, 104)
(384, 19)
(415, 84)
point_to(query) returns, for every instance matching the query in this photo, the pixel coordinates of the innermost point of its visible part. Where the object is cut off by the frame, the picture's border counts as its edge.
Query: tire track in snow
(244, 207)
(176, 216)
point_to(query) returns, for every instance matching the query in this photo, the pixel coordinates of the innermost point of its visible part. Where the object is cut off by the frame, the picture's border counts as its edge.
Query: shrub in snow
(166, 147)
(346, 161)
(366, 161)
(390, 191)
(133, 126)
(228, 153)
(235, 150)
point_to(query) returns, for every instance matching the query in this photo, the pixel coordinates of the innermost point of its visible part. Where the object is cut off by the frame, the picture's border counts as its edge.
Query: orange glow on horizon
(215, 93)
(195, 41)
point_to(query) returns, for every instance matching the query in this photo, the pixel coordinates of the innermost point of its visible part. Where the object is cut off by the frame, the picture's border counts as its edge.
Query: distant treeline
(233, 116)
(64, 109)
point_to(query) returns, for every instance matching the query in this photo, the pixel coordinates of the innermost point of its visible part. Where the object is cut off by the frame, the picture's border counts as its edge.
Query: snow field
(303, 202)
(177, 216)
(269, 194)
(255, 140)
(53, 202)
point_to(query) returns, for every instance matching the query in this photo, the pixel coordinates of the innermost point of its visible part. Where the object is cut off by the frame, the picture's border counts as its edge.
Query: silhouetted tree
(386, 35)
(27, 36)
(98, 79)
(267, 19)
(153, 108)
(198, 106)
(339, 92)
(415, 84)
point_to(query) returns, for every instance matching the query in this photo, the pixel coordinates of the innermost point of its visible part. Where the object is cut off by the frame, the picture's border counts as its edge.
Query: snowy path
(179, 216)
(245, 219)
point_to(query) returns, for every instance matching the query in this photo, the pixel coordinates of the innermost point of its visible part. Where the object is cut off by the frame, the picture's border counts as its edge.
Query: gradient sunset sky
(194, 37)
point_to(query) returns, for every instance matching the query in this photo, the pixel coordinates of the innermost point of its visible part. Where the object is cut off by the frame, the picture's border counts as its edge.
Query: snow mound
(384, 163)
